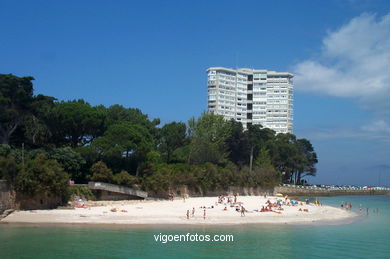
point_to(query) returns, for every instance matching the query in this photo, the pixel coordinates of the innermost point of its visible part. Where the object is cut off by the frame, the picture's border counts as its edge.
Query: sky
(153, 55)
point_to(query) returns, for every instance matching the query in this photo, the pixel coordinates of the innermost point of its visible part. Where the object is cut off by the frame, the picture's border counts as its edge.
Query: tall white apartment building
(252, 96)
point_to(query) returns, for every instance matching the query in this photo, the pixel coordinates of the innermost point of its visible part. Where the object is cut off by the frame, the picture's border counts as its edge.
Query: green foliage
(101, 173)
(5, 150)
(124, 138)
(266, 176)
(91, 142)
(208, 136)
(173, 136)
(70, 160)
(16, 97)
(124, 178)
(82, 192)
(9, 168)
(41, 175)
(76, 122)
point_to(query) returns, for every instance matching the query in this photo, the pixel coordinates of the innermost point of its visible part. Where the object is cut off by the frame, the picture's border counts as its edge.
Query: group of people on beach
(274, 205)
(346, 205)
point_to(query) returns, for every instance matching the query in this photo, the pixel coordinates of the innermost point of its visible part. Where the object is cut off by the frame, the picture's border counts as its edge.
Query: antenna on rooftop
(236, 61)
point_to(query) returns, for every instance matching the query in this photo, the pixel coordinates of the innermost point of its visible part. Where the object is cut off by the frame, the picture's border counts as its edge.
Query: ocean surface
(366, 237)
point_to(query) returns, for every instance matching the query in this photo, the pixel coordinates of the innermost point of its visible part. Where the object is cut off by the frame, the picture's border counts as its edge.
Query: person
(360, 210)
(235, 198)
(342, 204)
(242, 211)
(188, 214)
(367, 211)
(193, 211)
(350, 205)
(204, 214)
(307, 201)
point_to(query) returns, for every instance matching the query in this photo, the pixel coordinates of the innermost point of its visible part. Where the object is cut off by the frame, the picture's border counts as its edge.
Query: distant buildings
(252, 96)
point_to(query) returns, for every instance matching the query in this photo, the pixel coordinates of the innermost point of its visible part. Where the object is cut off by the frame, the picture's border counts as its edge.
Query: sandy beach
(175, 212)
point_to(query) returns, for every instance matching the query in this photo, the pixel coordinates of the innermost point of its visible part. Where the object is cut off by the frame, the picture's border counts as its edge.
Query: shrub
(101, 173)
(124, 178)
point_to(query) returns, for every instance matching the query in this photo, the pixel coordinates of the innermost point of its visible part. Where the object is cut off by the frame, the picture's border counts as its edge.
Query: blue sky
(153, 55)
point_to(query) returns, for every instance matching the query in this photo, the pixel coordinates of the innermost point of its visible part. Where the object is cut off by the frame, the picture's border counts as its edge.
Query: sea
(366, 236)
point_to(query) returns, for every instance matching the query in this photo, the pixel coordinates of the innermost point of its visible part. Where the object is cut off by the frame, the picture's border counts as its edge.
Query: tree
(117, 114)
(35, 127)
(124, 178)
(308, 159)
(258, 138)
(173, 136)
(9, 168)
(124, 139)
(284, 154)
(16, 97)
(208, 135)
(101, 173)
(76, 123)
(41, 175)
(70, 161)
(238, 144)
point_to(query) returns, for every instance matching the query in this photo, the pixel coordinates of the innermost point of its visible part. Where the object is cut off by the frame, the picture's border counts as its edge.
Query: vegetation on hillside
(65, 140)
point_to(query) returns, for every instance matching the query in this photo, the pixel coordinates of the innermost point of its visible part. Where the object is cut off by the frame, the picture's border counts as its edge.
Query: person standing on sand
(235, 198)
(188, 214)
(242, 211)
(193, 211)
(204, 213)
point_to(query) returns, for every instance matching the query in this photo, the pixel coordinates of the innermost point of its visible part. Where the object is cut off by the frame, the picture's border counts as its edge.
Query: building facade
(252, 97)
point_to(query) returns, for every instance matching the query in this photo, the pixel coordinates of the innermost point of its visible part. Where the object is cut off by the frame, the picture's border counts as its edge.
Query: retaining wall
(7, 197)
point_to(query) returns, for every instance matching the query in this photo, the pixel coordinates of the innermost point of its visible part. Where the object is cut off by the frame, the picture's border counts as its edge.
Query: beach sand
(174, 212)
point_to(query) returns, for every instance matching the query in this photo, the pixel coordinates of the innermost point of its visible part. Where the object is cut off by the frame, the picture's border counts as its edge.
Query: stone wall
(7, 197)
(323, 192)
(37, 202)
(185, 191)
(18, 201)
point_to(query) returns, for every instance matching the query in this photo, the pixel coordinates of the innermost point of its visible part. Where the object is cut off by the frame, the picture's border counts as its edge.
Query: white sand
(174, 212)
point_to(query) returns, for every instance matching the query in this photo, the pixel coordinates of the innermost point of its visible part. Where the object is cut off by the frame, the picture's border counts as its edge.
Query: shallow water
(366, 237)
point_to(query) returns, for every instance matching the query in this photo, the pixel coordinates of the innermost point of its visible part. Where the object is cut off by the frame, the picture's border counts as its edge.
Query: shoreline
(146, 214)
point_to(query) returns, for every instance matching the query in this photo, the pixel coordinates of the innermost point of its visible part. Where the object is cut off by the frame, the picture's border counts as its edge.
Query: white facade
(252, 97)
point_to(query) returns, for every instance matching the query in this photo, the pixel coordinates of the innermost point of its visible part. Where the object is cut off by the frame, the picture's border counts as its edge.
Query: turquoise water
(367, 237)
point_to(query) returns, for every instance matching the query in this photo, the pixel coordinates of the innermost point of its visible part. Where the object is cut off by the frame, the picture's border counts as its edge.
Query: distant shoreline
(302, 191)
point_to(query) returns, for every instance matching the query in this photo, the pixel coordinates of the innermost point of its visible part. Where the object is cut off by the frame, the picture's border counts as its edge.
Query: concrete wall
(322, 192)
(102, 195)
(117, 189)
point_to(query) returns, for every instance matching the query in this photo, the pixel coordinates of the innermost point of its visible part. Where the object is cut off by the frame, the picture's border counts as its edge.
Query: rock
(6, 213)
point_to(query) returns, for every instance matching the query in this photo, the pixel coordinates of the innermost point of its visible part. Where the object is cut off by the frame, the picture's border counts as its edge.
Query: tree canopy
(77, 140)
